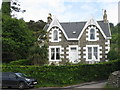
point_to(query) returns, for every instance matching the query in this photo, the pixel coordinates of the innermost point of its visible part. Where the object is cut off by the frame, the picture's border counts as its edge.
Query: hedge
(21, 62)
(66, 75)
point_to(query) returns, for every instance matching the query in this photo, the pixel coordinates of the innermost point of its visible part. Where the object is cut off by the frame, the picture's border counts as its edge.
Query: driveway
(97, 85)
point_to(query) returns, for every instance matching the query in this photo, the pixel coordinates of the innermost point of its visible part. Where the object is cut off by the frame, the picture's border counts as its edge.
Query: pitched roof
(73, 29)
(105, 28)
(46, 27)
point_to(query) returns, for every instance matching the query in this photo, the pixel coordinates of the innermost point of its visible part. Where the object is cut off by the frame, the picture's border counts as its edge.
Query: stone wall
(114, 79)
(81, 44)
(100, 42)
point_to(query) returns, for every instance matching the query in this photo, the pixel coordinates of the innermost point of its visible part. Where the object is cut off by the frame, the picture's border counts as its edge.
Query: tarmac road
(90, 85)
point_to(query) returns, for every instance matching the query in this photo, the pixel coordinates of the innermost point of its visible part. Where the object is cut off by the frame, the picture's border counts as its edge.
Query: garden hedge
(66, 75)
(21, 62)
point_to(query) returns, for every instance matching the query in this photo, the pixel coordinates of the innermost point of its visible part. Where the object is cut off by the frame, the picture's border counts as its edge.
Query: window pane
(96, 52)
(89, 52)
(92, 34)
(57, 53)
(52, 54)
(55, 35)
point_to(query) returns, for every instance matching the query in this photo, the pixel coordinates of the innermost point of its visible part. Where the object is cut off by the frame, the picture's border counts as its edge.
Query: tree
(6, 8)
(17, 39)
(9, 7)
(118, 43)
(15, 7)
(115, 43)
(38, 52)
(38, 55)
(112, 55)
(37, 27)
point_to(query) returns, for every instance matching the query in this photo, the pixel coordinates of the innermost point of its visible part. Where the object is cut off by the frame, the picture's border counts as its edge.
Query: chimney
(105, 17)
(49, 18)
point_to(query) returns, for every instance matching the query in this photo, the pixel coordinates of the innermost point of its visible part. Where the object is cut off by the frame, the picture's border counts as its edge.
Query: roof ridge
(73, 22)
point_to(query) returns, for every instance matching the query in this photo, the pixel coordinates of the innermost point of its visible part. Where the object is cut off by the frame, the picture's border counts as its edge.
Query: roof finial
(105, 17)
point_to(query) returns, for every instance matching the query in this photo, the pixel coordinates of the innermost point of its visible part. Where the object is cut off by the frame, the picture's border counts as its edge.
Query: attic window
(55, 35)
(74, 32)
(92, 34)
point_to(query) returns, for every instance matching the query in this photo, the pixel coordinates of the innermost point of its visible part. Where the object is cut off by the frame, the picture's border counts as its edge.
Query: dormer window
(92, 34)
(55, 35)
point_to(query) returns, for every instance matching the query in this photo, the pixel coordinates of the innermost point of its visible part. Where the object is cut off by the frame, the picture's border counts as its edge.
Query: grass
(109, 87)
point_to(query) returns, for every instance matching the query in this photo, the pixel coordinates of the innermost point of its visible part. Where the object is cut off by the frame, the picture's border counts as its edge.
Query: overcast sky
(69, 10)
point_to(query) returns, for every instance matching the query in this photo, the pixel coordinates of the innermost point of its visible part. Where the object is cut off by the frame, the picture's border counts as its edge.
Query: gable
(74, 30)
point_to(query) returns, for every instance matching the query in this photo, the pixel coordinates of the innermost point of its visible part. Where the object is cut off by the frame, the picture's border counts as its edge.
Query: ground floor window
(55, 53)
(92, 53)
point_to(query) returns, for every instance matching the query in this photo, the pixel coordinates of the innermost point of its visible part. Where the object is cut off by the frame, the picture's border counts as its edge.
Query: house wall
(104, 45)
(101, 42)
(64, 44)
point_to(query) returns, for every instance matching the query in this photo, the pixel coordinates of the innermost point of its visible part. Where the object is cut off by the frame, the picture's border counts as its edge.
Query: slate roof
(105, 28)
(46, 27)
(70, 27)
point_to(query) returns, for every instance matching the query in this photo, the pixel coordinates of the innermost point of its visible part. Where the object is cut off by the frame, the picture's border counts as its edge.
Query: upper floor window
(55, 35)
(92, 34)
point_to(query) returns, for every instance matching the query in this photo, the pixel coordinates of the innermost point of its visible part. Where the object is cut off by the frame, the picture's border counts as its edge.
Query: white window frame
(73, 46)
(55, 29)
(55, 53)
(92, 52)
(90, 34)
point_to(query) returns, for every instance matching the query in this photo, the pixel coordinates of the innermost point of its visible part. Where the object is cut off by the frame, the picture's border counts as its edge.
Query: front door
(73, 55)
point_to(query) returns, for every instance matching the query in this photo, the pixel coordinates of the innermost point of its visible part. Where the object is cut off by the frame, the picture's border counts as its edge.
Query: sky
(69, 10)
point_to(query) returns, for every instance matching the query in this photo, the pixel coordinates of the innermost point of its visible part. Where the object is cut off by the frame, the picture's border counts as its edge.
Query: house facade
(75, 42)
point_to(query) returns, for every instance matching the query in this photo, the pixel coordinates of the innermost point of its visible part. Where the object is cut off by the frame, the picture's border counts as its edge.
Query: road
(90, 85)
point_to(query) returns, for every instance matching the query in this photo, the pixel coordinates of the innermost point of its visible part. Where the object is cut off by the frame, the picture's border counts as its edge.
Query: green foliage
(36, 27)
(17, 39)
(38, 55)
(6, 8)
(118, 43)
(66, 75)
(112, 55)
(115, 42)
(109, 87)
(20, 62)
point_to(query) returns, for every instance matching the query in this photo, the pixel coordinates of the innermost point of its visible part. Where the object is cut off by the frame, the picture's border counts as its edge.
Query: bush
(112, 55)
(21, 62)
(66, 75)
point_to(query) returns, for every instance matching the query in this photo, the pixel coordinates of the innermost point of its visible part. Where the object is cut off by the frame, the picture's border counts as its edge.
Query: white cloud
(39, 9)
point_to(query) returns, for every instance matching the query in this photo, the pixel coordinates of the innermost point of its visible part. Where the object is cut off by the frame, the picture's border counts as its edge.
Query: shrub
(112, 55)
(66, 75)
(38, 55)
(21, 62)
